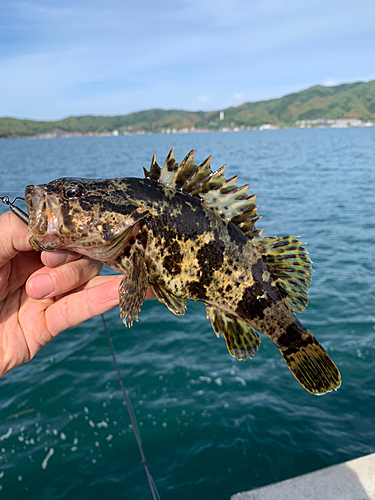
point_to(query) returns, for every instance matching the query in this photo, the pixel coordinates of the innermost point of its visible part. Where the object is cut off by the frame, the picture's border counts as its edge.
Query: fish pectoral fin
(174, 304)
(308, 361)
(290, 265)
(133, 287)
(118, 243)
(242, 339)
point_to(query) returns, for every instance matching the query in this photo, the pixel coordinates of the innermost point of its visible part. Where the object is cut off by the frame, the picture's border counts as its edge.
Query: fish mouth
(43, 217)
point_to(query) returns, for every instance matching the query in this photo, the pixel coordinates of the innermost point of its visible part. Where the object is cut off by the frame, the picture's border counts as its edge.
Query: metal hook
(21, 214)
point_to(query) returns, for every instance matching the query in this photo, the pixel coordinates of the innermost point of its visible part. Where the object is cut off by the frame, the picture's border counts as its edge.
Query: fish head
(94, 217)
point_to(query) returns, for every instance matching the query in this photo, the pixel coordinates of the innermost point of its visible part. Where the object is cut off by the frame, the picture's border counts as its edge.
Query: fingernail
(42, 286)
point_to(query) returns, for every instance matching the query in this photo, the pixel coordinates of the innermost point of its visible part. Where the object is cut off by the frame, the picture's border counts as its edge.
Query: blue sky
(62, 58)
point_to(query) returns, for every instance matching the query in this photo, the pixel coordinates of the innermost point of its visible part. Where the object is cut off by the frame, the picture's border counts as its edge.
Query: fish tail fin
(308, 361)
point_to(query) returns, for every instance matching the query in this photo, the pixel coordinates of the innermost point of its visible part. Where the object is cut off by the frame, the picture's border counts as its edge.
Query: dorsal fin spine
(249, 213)
(230, 185)
(186, 168)
(201, 173)
(155, 170)
(210, 183)
(168, 171)
(238, 194)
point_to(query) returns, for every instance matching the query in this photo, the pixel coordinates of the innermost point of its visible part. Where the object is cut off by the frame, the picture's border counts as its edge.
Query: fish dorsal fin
(155, 170)
(232, 203)
(290, 265)
(169, 171)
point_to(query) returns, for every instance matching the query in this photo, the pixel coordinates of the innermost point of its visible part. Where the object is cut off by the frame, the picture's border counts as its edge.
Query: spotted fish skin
(197, 256)
(189, 233)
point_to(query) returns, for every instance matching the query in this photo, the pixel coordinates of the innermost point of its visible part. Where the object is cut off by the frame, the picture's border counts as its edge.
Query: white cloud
(239, 97)
(329, 82)
(64, 57)
(36, 11)
(204, 99)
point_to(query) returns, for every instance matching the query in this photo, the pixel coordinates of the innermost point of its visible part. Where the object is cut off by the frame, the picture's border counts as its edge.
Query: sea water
(211, 425)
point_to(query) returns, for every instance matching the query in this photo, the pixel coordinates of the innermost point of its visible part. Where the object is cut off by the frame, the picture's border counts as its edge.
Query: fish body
(190, 234)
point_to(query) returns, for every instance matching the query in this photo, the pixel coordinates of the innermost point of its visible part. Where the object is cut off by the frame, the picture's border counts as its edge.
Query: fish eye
(72, 191)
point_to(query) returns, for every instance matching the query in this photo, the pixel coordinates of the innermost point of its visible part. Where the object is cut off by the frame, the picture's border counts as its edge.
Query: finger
(95, 281)
(59, 257)
(15, 273)
(97, 297)
(14, 237)
(50, 282)
(71, 310)
(149, 294)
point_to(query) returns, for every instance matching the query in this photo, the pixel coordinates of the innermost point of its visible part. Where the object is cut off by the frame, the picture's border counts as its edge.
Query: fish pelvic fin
(174, 304)
(290, 266)
(241, 338)
(308, 361)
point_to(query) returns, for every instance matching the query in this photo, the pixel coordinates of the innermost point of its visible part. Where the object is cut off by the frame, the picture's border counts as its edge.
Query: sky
(60, 58)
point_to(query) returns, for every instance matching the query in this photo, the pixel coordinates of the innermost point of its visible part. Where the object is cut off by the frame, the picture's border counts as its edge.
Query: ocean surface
(211, 425)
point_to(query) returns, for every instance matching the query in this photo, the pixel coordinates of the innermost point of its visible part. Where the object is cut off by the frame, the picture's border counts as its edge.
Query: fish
(189, 233)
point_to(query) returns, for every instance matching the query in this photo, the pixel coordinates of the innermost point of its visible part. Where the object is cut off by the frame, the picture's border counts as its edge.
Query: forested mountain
(349, 100)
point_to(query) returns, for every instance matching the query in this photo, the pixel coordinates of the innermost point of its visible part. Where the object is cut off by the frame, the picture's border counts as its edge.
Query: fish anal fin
(133, 286)
(308, 361)
(242, 339)
(174, 304)
(290, 266)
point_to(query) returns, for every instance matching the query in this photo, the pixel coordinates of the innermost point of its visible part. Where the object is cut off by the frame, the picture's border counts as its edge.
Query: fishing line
(155, 495)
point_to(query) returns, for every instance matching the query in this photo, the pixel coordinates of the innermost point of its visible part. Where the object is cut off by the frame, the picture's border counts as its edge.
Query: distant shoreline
(341, 106)
(306, 124)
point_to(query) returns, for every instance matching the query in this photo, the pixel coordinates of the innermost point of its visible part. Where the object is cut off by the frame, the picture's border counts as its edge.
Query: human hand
(42, 294)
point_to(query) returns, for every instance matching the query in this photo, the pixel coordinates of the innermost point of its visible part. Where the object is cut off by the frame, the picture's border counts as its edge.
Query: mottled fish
(190, 233)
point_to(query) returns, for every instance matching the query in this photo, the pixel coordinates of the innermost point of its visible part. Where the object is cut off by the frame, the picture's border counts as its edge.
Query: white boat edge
(352, 480)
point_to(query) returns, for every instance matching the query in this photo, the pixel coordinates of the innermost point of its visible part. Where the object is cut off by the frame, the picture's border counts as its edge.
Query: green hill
(349, 100)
